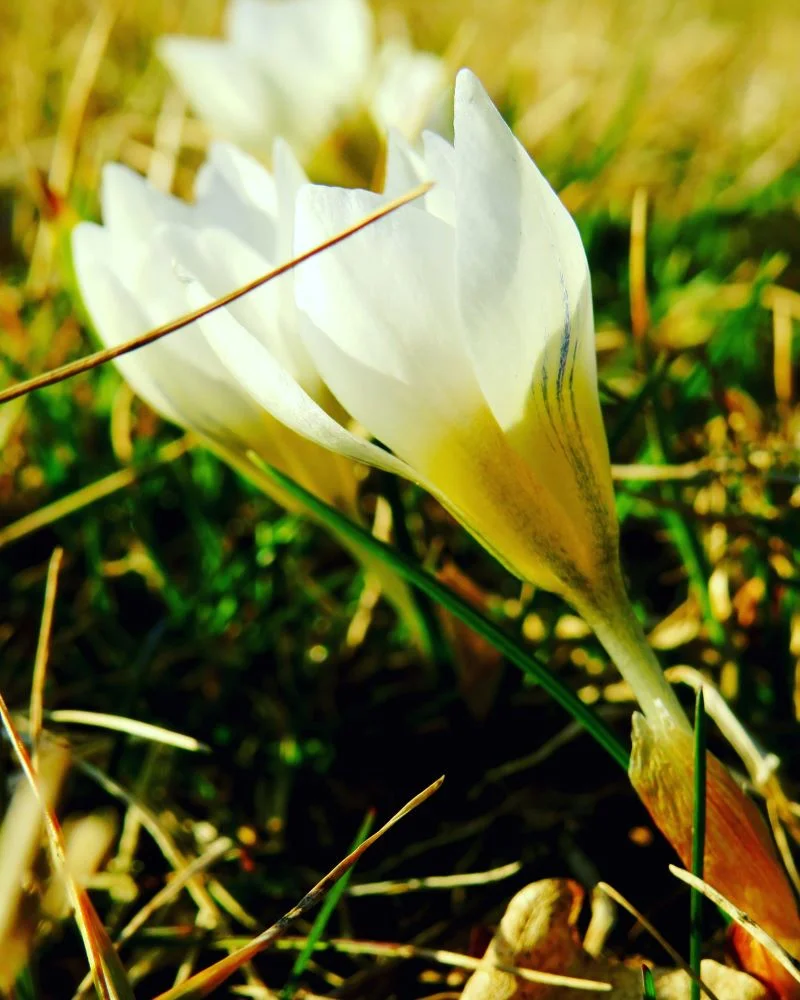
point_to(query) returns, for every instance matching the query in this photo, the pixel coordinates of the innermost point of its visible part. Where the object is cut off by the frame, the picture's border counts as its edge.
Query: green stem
(698, 843)
(612, 619)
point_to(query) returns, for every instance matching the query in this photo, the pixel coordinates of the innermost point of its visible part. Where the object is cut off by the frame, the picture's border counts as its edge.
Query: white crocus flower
(409, 91)
(296, 68)
(459, 333)
(134, 272)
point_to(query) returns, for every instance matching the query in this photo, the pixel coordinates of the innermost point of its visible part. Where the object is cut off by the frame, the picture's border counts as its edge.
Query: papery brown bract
(740, 859)
(759, 963)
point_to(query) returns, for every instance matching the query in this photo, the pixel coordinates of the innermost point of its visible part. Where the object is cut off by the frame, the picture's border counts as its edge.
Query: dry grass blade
(109, 353)
(201, 984)
(782, 842)
(640, 308)
(165, 895)
(43, 652)
(641, 472)
(177, 882)
(161, 838)
(80, 87)
(760, 767)
(656, 935)
(441, 956)
(107, 971)
(98, 490)
(783, 336)
(20, 849)
(390, 888)
(740, 917)
(120, 724)
(214, 853)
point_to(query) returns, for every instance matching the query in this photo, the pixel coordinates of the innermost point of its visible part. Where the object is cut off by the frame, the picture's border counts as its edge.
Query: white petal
(160, 288)
(289, 178)
(523, 279)
(386, 294)
(440, 160)
(393, 412)
(271, 386)
(315, 54)
(410, 88)
(131, 211)
(405, 168)
(222, 263)
(115, 314)
(199, 397)
(234, 191)
(224, 87)
(384, 298)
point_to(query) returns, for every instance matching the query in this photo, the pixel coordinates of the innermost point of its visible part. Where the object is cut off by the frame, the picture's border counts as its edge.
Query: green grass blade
(405, 568)
(698, 842)
(648, 986)
(441, 653)
(24, 985)
(633, 406)
(683, 538)
(329, 904)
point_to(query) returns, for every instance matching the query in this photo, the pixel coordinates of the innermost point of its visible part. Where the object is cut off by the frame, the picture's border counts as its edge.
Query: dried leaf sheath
(740, 860)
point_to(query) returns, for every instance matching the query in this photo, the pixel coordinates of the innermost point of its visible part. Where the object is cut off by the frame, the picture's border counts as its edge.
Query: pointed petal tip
(467, 84)
(285, 164)
(113, 171)
(118, 182)
(473, 109)
(172, 50)
(281, 150)
(84, 238)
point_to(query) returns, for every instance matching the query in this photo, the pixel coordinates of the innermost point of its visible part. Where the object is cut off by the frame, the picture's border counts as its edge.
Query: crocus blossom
(459, 333)
(296, 68)
(132, 275)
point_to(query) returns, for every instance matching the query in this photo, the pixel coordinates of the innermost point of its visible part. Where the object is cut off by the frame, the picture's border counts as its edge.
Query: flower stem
(613, 621)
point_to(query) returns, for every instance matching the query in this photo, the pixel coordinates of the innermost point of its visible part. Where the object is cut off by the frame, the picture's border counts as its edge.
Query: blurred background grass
(188, 600)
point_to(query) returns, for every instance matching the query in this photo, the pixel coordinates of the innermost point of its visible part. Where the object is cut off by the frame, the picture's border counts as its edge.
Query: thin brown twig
(36, 713)
(110, 353)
